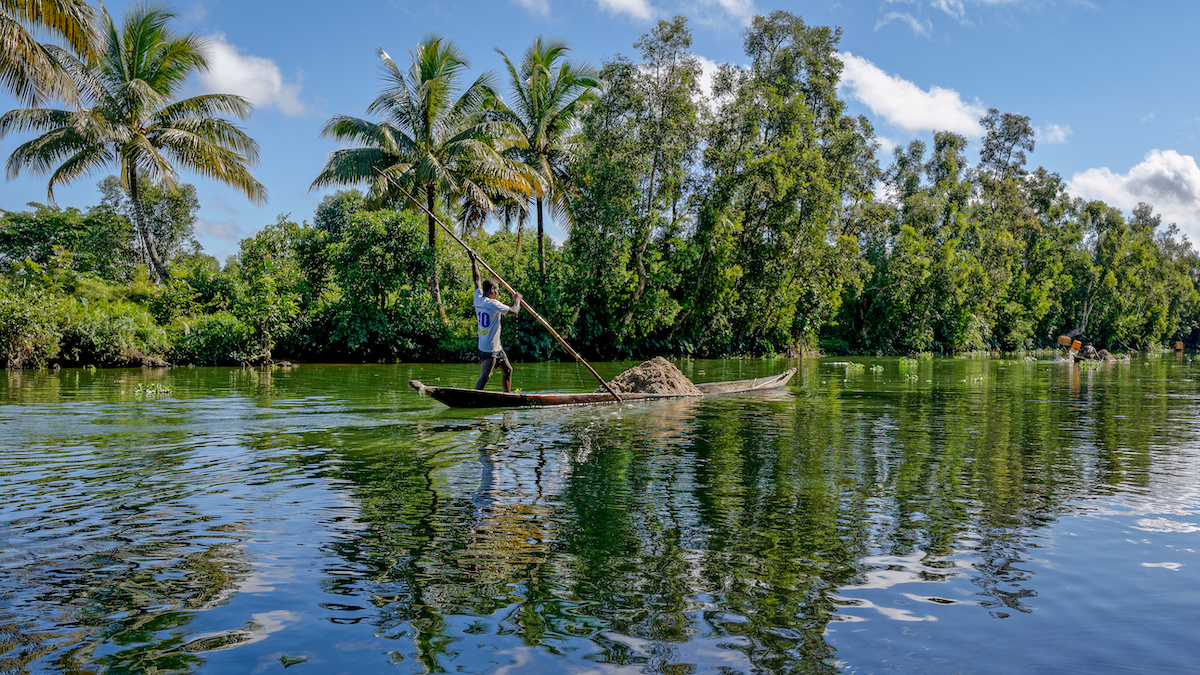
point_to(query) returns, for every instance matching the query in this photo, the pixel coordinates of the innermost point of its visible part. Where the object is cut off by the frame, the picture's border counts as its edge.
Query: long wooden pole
(504, 283)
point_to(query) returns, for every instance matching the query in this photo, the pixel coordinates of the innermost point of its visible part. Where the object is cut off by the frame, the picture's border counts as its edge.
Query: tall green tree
(786, 163)
(434, 139)
(170, 214)
(29, 69)
(1006, 138)
(634, 173)
(549, 94)
(1000, 227)
(132, 117)
(666, 131)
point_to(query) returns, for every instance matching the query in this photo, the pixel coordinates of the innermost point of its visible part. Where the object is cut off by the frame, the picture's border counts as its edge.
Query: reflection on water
(948, 516)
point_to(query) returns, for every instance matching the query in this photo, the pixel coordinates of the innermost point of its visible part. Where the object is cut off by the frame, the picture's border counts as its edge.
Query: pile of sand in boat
(1090, 353)
(1073, 350)
(656, 376)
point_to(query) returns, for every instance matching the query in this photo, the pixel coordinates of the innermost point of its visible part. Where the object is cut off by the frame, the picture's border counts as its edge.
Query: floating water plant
(152, 389)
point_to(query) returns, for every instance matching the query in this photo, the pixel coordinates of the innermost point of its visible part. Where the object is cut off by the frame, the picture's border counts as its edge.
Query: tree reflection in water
(650, 536)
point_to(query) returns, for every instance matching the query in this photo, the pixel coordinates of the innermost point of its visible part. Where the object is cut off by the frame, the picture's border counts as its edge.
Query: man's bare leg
(507, 370)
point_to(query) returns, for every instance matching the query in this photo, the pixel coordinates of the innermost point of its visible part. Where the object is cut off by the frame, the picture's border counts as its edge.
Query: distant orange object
(1076, 345)
(1179, 345)
(1064, 340)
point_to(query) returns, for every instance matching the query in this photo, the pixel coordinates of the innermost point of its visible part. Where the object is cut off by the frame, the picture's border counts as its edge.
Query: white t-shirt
(487, 317)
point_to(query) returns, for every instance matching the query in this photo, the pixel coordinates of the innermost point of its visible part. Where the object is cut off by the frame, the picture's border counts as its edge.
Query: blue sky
(1110, 86)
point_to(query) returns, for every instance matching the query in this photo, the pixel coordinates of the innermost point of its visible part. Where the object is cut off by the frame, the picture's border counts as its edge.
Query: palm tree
(130, 118)
(548, 99)
(28, 69)
(430, 141)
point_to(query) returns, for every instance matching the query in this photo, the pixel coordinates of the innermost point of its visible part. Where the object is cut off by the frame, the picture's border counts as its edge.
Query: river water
(931, 516)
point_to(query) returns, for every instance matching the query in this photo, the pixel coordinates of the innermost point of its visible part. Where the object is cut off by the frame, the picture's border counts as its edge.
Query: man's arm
(475, 271)
(516, 306)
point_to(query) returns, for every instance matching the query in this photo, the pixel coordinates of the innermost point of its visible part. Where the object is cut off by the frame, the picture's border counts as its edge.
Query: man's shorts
(500, 357)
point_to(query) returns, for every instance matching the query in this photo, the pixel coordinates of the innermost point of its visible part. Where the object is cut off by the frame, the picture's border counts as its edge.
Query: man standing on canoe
(488, 311)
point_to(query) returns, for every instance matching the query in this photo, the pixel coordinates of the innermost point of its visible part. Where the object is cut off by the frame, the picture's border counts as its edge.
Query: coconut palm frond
(32, 119)
(78, 165)
(148, 160)
(214, 161)
(69, 19)
(179, 59)
(41, 154)
(207, 131)
(205, 105)
(29, 70)
(352, 166)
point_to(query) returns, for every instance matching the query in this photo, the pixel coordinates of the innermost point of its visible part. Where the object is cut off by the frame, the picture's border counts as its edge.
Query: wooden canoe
(477, 398)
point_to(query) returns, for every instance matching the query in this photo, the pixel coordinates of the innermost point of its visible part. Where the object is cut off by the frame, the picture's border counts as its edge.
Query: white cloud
(538, 7)
(1054, 134)
(1167, 180)
(226, 230)
(952, 7)
(957, 8)
(252, 77)
(741, 10)
(194, 12)
(917, 27)
(886, 145)
(708, 69)
(638, 9)
(905, 105)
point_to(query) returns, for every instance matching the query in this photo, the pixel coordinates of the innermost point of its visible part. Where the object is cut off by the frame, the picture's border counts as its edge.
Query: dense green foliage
(131, 116)
(755, 220)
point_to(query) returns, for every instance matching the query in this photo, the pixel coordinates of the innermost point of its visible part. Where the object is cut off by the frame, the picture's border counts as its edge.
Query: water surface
(947, 516)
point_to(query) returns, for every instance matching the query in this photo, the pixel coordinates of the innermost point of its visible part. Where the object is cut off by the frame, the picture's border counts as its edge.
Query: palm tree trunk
(434, 286)
(541, 242)
(157, 268)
